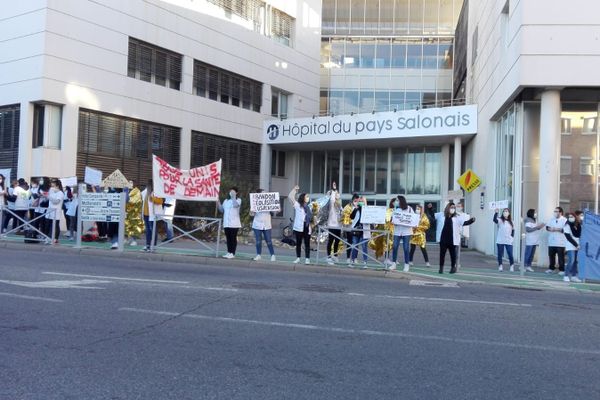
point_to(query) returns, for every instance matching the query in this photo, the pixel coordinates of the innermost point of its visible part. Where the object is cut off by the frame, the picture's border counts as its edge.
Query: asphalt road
(76, 327)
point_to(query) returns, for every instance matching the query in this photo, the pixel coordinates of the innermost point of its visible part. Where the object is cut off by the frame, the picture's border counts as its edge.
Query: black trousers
(231, 238)
(38, 223)
(17, 221)
(303, 237)
(452, 249)
(349, 240)
(413, 247)
(333, 240)
(554, 251)
(48, 228)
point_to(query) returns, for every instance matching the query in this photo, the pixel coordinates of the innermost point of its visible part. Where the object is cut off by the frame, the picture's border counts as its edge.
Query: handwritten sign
(455, 195)
(196, 184)
(405, 218)
(117, 180)
(499, 205)
(70, 181)
(92, 176)
(264, 202)
(105, 207)
(373, 215)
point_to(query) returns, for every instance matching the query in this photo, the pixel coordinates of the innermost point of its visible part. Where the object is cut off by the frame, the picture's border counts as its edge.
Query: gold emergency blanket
(134, 225)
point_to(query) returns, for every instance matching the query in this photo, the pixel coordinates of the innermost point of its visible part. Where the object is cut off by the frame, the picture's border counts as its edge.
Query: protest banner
(70, 181)
(406, 218)
(265, 202)
(92, 176)
(117, 180)
(498, 205)
(6, 173)
(589, 255)
(196, 184)
(373, 215)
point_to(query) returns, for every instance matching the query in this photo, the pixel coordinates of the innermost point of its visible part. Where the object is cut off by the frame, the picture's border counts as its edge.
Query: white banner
(265, 202)
(196, 184)
(500, 205)
(93, 176)
(70, 181)
(373, 215)
(105, 207)
(405, 218)
(460, 120)
(455, 195)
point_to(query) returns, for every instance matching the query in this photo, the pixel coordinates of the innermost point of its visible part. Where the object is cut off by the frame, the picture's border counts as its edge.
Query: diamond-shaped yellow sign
(469, 181)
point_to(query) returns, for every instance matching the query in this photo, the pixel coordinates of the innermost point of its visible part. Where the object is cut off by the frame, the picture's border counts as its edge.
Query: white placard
(93, 176)
(498, 205)
(105, 207)
(268, 201)
(373, 215)
(405, 218)
(455, 195)
(70, 181)
(6, 173)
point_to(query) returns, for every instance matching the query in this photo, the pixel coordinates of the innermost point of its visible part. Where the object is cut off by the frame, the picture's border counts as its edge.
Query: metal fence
(203, 224)
(32, 224)
(375, 234)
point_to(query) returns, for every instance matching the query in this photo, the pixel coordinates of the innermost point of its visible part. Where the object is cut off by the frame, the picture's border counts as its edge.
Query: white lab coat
(458, 221)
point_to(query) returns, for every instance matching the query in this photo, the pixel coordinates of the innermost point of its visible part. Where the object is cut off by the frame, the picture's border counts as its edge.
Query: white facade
(529, 57)
(74, 53)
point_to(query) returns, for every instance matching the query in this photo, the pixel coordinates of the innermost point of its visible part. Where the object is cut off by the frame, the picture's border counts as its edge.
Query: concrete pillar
(25, 141)
(265, 166)
(457, 162)
(549, 173)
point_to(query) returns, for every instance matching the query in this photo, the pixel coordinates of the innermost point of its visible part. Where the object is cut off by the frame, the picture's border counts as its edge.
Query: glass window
(336, 102)
(433, 168)
(357, 15)
(328, 17)
(367, 101)
(414, 53)
(358, 170)
(337, 53)
(370, 158)
(333, 168)
(386, 17)
(382, 168)
(371, 17)
(398, 53)
(416, 17)
(415, 169)
(447, 16)
(350, 102)
(383, 55)
(565, 165)
(304, 175)
(398, 171)
(318, 172)
(401, 15)
(430, 54)
(367, 53)
(342, 23)
(413, 100)
(589, 125)
(431, 13)
(565, 126)
(382, 101)
(347, 173)
(445, 54)
(397, 100)
(352, 54)
(586, 166)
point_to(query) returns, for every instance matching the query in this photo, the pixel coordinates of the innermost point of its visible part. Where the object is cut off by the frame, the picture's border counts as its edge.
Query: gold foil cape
(418, 237)
(134, 225)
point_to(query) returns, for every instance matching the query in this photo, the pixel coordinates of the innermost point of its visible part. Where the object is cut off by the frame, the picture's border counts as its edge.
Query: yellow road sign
(469, 181)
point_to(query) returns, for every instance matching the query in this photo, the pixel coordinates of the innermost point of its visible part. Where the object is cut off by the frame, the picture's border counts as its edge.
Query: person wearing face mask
(359, 237)
(2, 201)
(402, 233)
(231, 220)
(261, 225)
(532, 238)
(448, 234)
(572, 233)
(418, 237)
(55, 200)
(333, 225)
(556, 241)
(302, 218)
(505, 238)
(10, 205)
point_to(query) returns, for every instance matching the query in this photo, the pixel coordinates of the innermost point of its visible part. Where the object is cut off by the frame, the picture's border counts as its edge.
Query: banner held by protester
(589, 255)
(196, 184)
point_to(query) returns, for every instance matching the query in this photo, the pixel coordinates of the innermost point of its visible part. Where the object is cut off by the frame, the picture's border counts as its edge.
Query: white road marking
(21, 296)
(416, 282)
(495, 303)
(57, 284)
(369, 332)
(116, 278)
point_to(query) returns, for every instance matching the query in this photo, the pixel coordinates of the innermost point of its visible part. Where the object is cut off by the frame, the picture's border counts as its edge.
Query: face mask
(581, 218)
(572, 219)
(535, 215)
(232, 194)
(418, 211)
(307, 199)
(505, 214)
(452, 211)
(556, 214)
(360, 204)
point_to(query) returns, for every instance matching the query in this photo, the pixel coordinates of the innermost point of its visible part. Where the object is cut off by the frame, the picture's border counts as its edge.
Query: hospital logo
(273, 132)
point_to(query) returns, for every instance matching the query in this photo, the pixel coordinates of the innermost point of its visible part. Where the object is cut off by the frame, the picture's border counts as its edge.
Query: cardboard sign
(105, 207)
(260, 202)
(500, 205)
(93, 176)
(405, 218)
(70, 181)
(196, 184)
(373, 215)
(116, 180)
(469, 181)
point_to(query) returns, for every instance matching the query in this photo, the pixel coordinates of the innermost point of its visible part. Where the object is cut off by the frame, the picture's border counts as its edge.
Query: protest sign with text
(373, 215)
(498, 205)
(405, 218)
(92, 176)
(589, 253)
(265, 202)
(196, 184)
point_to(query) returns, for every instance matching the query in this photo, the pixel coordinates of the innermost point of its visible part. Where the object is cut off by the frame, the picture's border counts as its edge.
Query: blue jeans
(509, 251)
(149, 224)
(169, 228)
(405, 248)
(571, 267)
(357, 239)
(258, 235)
(529, 254)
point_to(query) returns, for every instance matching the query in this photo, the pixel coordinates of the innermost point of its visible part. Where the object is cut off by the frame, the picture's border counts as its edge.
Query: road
(91, 327)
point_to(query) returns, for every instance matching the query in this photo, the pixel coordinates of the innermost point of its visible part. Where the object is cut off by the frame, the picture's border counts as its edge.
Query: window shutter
(160, 68)
(145, 65)
(200, 72)
(175, 61)
(132, 58)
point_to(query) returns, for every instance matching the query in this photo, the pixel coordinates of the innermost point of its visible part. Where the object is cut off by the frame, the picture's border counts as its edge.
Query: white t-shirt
(231, 213)
(401, 230)
(22, 201)
(299, 217)
(262, 221)
(504, 232)
(568, 245)
(532, 238)
(55, 203)
(557, 239)
(333, 220)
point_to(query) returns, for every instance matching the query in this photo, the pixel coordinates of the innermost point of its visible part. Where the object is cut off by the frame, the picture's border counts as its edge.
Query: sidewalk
(476, 268)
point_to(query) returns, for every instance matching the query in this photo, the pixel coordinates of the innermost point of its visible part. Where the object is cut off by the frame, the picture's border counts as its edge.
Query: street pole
(80, 193)
(123, 197)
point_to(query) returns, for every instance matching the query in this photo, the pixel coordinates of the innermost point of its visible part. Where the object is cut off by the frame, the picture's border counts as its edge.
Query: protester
(402, 233)
(556, 241)
(55, 199)
(231, 220)
(168, 213)
(505, 238)
(10, 205)
(358, 233)
(419, 236)
(448, 234)
(152, 206)
(66, 204)
(333, 225)
(22, 201)
(261, 225)
(2, 198)
(302, 218)
(572, 231)
(532, 238)
(72, 213)
(347, 224)
(430, 212)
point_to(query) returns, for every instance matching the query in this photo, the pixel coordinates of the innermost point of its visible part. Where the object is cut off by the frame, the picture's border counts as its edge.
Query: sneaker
(330, 261)
(297, 260)
(146, 248)
(349, 261)
(257, 258)
(307, 261)
(226, 255)
(512, 268)
(114, 246)
(392, 267)
(561, 273)
(427, 265)
(231, 256)
(335, 259)
(411, 263)
(529, 269)
(273, 258)
(566, 279)
(500, 269)
(575, 279)
(133, 243)
(387, 262)
(549, 271)
(406, 268)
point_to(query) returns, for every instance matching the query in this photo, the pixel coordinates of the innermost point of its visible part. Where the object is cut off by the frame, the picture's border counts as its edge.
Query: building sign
(469, 181)
(105, 207)
(460, 120)
(264, 202)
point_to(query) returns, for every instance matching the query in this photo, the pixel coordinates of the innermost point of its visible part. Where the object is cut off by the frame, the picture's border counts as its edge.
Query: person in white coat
(55, 202)
(261, 225)
(334, 225)
(231, 220)
(556, 241)
(22, 200)
(505, 238)
(402, 233)
(168, 213)
(448, 224)
(532, 238)
(151, 206)
(302, 219)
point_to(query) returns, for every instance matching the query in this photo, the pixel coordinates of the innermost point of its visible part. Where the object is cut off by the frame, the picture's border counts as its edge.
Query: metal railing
(375, 234)
(28, 224)
(205, 224)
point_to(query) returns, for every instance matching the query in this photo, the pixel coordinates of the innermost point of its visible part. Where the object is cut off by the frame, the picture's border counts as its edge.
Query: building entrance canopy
(431, 122)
